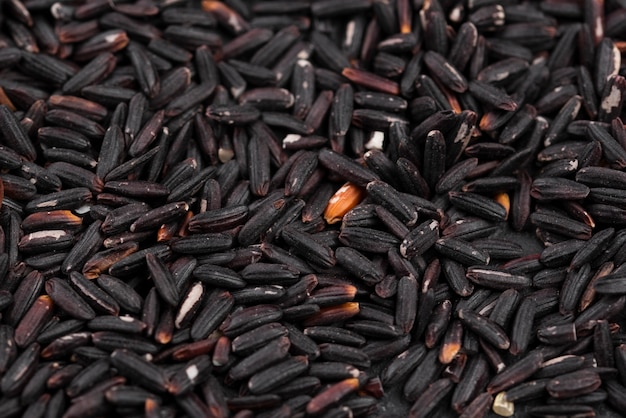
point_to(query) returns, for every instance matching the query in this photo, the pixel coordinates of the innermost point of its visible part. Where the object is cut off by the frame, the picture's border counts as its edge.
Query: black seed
(68, 300)
(430, 398)
(487, 329)
(33, 321)
(455, 275)
(22, 369)
(139, 370)
(95, 297)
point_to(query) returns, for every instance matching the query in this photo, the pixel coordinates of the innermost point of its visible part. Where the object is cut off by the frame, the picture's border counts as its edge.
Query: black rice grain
(322, 208)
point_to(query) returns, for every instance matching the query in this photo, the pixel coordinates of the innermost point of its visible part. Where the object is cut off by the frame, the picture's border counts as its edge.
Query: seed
(37, 385)
(346, 168)
(347, 354)
(406, 303)
(484, 327)
(128, 395)
(347, 197)
(445, 72)
(94, 296)
(502, 406)
(332, 395)
(492, 96)
(573, 287)
(422, 375)
(557, 333)
(54, 328)
(33, 321)
(163, 280)
(68, 300)
(497, 279)
(611, 149)
(278, 374)
(110, 340)
(454, 274)
(334, 335)
(521, 332)
(332, 371)
(101, 261)
(14, 134)
(249, 318)
(263, 272)
(430, 398)
(451, 344)
(306, 246)
(189, 376)
(360, 238)
(21, 370)
(478, 205)
(420, 239)
(569, 227)
(560, 254)
(516, 372)
(471, 382)
(260, 359)
(215, 310)
(573, 384)
(133, 366)
(86, 246)
(439, 323)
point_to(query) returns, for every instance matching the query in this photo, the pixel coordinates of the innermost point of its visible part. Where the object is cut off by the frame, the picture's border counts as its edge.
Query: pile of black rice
(300, 208)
